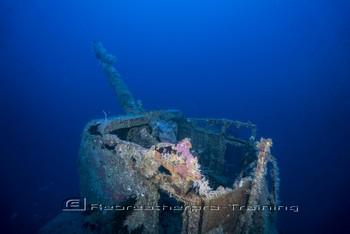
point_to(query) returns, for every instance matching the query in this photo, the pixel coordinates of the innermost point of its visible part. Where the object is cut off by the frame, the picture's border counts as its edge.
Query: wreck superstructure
(160, 172)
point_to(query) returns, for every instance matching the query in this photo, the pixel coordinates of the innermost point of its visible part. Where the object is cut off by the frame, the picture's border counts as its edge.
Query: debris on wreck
(160, 172)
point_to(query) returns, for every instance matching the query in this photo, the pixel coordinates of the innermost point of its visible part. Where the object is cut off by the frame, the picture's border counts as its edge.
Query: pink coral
(182, 170)
(190, 163)
(183, 147)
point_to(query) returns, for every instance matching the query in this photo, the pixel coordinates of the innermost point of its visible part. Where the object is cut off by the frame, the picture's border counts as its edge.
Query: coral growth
(178, 160)
(202, 187)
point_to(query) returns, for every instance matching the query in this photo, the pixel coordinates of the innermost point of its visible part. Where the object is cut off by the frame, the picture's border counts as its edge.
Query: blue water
(282, 64)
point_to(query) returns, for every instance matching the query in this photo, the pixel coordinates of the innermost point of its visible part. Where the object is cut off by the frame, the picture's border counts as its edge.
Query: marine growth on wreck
(161, 172)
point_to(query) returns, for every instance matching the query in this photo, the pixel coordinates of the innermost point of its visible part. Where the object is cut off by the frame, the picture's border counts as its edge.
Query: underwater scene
(197, 116)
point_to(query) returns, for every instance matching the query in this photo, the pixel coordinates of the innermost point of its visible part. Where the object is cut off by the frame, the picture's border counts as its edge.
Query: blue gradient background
(282, 64)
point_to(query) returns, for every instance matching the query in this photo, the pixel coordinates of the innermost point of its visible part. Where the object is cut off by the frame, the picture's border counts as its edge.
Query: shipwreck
(161, 172)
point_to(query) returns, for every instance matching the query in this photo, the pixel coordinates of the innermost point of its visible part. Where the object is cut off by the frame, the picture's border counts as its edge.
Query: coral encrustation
(178, 160)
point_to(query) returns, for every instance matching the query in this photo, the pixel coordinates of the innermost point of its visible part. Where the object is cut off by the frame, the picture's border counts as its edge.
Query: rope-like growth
(256, 219)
